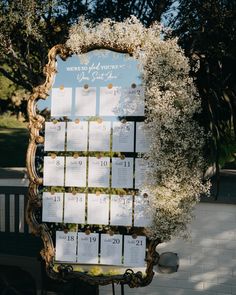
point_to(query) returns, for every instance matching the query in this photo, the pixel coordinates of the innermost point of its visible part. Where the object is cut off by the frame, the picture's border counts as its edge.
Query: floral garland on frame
(174, 181)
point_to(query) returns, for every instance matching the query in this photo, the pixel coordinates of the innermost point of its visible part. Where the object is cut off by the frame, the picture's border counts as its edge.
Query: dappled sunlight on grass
(10, 121)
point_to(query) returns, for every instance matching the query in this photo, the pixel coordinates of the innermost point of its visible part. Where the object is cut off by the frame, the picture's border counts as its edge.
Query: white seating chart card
(52, 207)
(54, 136)
(66, 246)
(85, 101)
(61, 104)
(98, 209)
(140, 172)
(53, 171)
(99, 172)
(110, 101)
(134, 251)
(111, 249)
(142, 215)
(142, 138)
(121, 210)
(75, 171)
(77, 135)
(99, 136)
(74, 208)
(87, 248)
(122, 173)
(133, 101)
(123, 137)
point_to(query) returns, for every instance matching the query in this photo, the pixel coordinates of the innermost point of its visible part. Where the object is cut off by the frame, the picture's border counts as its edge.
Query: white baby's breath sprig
(174, 180)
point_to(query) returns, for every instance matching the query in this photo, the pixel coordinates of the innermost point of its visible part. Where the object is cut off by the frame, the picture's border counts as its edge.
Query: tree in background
(147, 11)
(207, 32)
(29, 28)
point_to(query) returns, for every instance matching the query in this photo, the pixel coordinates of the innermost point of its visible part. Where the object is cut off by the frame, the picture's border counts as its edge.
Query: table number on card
(87, 248)
(99, 136)
(134, 251)
(111, 249)
(52, 207)
(110, 101)
(133, 101)
(85, 101)
(140, 172)
(53, 171)
(77, 135)
(123, 137)
(61, 101)
(54, 136)
(66, 246)
(122, 173)
(142, 214)
(98, 209)
(121, 210)
(99, 172)
(75, 171)
(142, 138)
(74, 208)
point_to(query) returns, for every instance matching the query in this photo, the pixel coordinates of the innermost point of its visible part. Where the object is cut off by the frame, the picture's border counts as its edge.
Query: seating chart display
(101, 160)
(93, 138)
(91, 160)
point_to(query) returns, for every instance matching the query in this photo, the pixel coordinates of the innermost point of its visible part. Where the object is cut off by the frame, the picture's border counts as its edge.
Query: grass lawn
(13, 142)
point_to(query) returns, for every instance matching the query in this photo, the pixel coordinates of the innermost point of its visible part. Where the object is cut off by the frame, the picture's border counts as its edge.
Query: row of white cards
(116, 101)
(94, 172)
(101, 209)
(96, 136)
(83, 248)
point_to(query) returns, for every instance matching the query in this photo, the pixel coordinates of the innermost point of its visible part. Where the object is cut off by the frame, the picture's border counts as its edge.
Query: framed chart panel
(86, 166)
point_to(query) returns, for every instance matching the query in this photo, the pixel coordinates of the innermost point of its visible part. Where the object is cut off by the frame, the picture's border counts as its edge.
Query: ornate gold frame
(65, 271)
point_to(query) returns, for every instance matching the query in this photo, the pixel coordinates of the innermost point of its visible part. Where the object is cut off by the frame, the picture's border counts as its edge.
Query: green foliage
(206, 31)
(6, 87)
(42, 24)
(146, 11)
(29, 28)
(227, 152)
(10, 121)
(25, 52)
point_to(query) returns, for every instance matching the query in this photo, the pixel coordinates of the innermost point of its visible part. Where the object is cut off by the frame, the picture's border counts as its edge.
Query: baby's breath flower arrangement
(176, 164)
